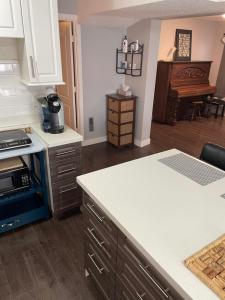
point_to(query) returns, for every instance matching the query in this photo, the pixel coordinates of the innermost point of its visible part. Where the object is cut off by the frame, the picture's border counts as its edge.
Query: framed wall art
(183, 43)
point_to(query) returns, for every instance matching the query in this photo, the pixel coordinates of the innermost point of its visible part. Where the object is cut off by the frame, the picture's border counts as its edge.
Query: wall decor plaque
(183, 43)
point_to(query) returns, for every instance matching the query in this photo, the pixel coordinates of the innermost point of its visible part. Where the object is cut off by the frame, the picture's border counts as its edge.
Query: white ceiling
(171, 9)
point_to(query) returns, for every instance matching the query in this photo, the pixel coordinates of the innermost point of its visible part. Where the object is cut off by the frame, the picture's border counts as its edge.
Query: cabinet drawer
(119, 130)
(136, 271)
(120, 106)
(113, 139)
(127, 105)
(113, 104)
(107, 247)
(127, 117)
(123, 292)
(126, 139)
(104, 223)
(69, 151)
(66, 194)
(124, 117)
(64, 168)
(120, 141)
(102, 274)
(113, 116)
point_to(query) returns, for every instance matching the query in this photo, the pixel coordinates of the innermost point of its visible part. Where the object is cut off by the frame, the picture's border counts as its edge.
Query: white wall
(206, 45)
(147, 32)
(67, 6)
(99, 76)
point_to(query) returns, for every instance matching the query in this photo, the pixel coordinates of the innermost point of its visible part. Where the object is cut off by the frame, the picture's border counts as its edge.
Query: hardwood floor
(45, 260)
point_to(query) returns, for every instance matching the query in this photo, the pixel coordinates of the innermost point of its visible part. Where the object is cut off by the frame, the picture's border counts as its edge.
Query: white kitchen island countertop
(54, 140)
(166, 215)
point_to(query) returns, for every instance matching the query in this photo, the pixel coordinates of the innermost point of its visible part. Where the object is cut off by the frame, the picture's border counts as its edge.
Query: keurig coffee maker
(53, 113)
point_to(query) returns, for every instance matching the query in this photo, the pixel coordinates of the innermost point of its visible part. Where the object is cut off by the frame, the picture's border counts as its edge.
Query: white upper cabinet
(11, 24)
(41, 59)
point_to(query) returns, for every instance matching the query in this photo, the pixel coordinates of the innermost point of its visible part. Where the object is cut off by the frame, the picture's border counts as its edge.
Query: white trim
(142, 143)
(98, 140)
(78, 75)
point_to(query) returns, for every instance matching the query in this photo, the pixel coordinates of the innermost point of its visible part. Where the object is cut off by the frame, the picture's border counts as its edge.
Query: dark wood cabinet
(120, 119)
(139, 276)
(64, 167)
(119, 270)
(100, 248)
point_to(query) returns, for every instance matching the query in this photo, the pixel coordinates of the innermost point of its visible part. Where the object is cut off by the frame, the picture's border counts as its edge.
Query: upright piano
(177, 84)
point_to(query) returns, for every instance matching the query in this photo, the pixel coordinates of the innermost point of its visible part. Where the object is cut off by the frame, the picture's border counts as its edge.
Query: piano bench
(196, 109)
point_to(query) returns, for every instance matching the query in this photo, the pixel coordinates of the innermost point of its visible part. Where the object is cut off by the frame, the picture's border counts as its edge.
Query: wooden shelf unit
(120, 119)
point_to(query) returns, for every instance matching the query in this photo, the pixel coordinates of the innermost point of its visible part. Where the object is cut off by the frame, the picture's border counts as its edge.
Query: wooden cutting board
(10, 163)
(209, 266)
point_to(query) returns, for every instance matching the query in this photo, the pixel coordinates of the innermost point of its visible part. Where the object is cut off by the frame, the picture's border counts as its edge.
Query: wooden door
(10, 19)
(67, 91)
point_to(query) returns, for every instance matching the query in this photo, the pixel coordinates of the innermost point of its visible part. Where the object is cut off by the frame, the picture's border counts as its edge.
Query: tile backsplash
(16, 99)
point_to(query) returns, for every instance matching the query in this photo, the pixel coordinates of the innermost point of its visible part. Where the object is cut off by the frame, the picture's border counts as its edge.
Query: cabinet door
(10, 19)
(42, 44)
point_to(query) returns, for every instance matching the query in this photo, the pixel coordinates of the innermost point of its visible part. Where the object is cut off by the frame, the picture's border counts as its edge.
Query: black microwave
(14, 176)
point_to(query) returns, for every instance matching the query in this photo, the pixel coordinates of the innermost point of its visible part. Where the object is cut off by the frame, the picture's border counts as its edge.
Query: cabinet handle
(141, 297)
(94, 212)
(11, 224)
(65, 171)
(32, 66)
(100, 270)
(94, 237)
(143, 269)
(65, 152)
(67, 190)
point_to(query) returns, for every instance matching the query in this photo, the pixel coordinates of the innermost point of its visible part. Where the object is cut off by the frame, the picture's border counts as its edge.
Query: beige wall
(206, 43)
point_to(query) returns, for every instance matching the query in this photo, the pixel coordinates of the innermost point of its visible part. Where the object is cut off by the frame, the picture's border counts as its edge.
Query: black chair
(214, 155)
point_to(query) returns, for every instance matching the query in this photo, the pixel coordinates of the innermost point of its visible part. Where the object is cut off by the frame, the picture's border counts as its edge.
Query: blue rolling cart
(30, 205)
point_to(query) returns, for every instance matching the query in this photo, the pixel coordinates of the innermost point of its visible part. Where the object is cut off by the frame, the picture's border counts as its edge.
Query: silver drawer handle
(11, 224)
(68, 190)
(141, 297)
(94, 212)
(94, 237)
(65, 152)
(65, 171)
(100, 270)
(153, 281)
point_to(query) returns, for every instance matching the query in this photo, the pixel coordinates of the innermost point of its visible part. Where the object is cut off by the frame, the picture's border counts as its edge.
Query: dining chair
(214, 155)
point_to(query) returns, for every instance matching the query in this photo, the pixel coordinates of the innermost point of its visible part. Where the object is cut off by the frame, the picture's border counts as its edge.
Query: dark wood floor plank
(5, 291)
(39, 268)
(17, 274)
(59, 243)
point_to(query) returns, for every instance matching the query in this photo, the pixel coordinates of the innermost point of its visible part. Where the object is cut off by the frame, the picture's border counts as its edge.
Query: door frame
(78, 69)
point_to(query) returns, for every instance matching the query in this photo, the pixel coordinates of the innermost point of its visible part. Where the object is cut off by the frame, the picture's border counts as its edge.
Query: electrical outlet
(91, 124)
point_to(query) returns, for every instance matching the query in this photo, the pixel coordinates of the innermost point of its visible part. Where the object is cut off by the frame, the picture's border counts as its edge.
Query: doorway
(71, 91)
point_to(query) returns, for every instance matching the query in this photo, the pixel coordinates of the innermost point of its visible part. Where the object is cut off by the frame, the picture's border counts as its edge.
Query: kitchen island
(165, 215)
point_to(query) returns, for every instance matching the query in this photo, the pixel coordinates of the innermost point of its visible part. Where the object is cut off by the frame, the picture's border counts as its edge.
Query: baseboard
(142, 143)
(101, 139)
